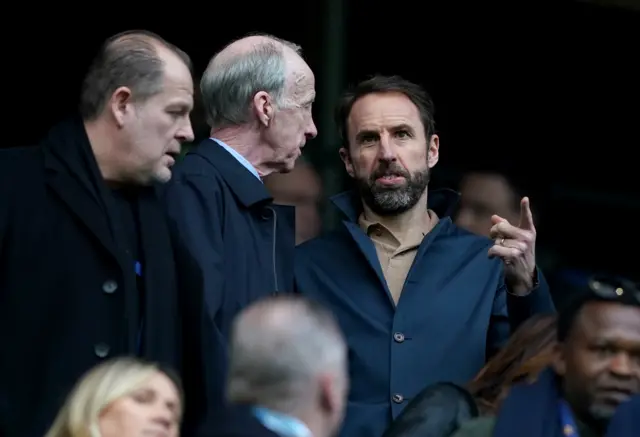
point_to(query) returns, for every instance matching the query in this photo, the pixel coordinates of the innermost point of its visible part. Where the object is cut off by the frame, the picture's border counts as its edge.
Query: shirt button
(398, 337)
(110, 286)
(101, 350)
(397, 398)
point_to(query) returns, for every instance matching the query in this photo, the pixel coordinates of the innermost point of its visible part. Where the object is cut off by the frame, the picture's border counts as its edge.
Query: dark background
(548, 91)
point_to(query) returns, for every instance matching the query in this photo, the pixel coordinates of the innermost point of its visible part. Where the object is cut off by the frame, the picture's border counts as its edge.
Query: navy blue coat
(244, 246)
(454, 310)
(625, 421)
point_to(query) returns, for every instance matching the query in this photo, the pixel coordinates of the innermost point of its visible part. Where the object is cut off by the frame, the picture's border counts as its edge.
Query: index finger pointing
(526, 217)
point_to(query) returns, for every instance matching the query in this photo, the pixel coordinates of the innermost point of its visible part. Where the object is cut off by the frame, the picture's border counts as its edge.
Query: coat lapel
(368, 249)
(73, 175)
(441, 201)
(157, 272)
(89, 212)
(420, 258)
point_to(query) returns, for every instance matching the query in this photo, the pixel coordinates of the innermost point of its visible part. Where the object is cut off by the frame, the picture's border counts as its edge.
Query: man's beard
(389, 201)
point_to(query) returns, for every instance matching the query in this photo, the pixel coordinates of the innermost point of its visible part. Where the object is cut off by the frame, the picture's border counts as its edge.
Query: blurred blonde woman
(123, 397)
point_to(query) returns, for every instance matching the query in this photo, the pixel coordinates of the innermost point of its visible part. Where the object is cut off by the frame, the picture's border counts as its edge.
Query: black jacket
(244, 246)
(68, 289)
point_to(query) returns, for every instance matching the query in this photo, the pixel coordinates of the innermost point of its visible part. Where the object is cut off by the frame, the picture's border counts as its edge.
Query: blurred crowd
(148, 292)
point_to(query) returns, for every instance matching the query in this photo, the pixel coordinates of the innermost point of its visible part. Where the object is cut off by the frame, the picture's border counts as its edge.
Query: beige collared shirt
(396, 252)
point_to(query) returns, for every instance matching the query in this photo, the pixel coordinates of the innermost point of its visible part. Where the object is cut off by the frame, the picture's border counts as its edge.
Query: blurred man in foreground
(288, 369)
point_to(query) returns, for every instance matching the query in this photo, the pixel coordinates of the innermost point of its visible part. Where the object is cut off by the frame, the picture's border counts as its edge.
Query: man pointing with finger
(515, 245)
(420, 300)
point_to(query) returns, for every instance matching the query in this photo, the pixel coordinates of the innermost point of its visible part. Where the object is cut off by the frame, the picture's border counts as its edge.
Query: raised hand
(515, 245)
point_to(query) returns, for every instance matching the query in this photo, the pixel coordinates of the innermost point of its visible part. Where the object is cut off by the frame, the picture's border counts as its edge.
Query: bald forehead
(134, 41)
(295, 64)
(269, 315)
(244, 46)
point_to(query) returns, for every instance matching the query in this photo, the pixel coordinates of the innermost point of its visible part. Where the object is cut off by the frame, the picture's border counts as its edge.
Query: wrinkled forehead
(381, 111)
(300, 79)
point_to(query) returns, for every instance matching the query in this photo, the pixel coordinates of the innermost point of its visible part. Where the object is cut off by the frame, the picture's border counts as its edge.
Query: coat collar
(244, 185)
(73, 175)
(442, 201)
(67, 150)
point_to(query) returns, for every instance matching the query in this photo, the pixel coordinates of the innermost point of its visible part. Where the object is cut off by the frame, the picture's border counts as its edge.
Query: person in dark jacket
(530, 350)
(86, 256)
(626, 421)
(257, 93)
(420, 300)
(595, 371)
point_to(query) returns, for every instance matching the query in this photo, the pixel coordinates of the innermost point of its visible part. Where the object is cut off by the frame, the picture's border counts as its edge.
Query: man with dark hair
(597, 368)
(420, 300)
(86, 258)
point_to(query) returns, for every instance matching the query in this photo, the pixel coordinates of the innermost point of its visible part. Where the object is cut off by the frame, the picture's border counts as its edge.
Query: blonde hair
(96, 390)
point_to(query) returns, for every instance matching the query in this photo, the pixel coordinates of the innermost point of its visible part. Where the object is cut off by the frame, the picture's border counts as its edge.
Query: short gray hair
(229, 85)
(274, 357)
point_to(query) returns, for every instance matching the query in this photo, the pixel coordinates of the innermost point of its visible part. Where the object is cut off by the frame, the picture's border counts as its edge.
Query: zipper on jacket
(273, 252)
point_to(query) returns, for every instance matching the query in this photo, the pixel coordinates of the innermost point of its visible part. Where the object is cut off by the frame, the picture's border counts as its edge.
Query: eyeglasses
(614, 288)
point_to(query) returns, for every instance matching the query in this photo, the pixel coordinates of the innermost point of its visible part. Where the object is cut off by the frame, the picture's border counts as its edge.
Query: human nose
(386, 150)
(312, 130)
(185, 134)
(621, 365)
